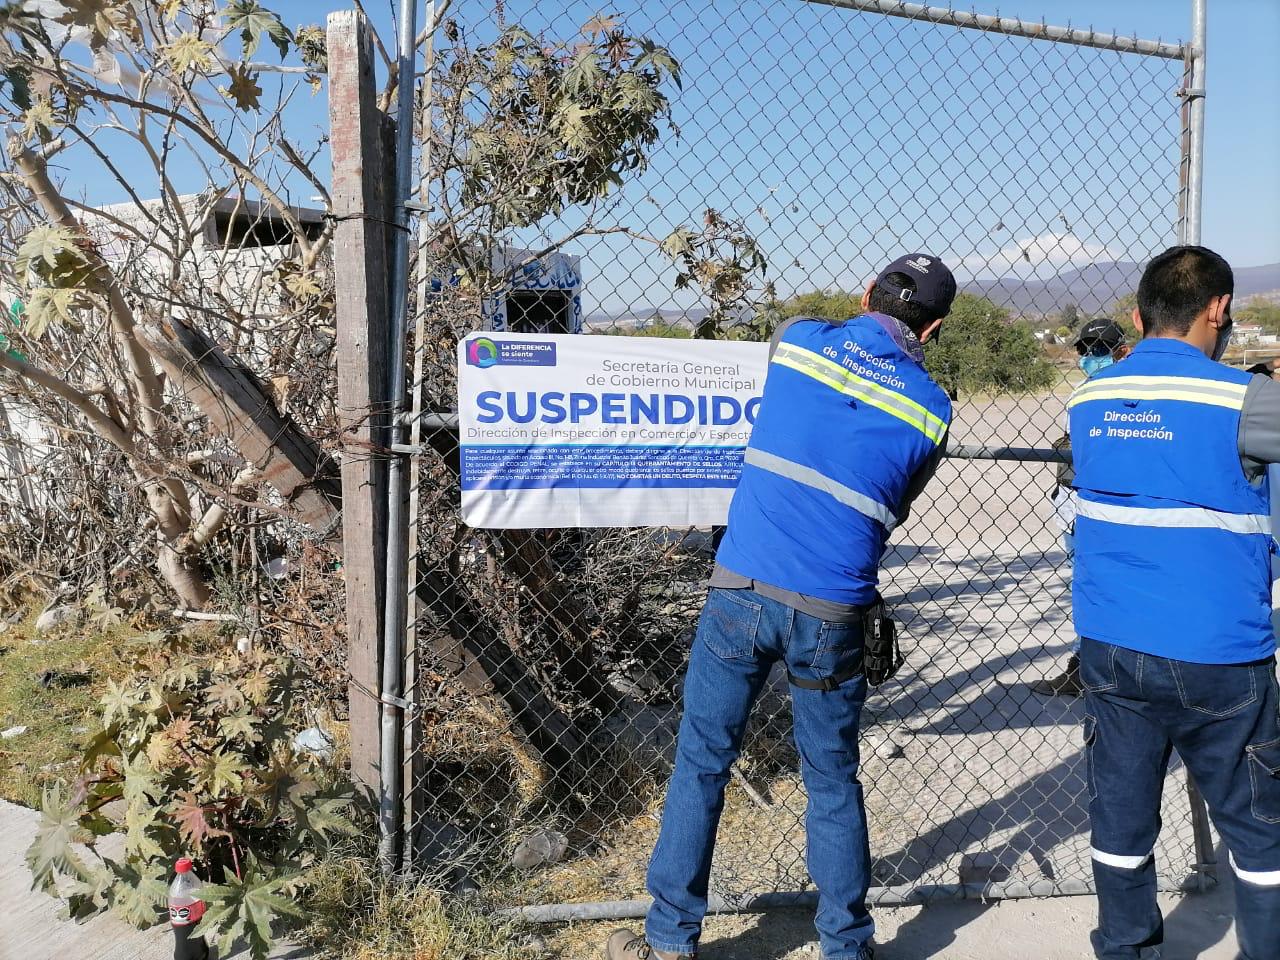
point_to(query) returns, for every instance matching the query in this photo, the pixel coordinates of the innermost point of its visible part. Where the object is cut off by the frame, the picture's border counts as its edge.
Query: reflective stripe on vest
(812, 478)
(851, 384)
(1216, 393)
(1184, 517)
(848, 418)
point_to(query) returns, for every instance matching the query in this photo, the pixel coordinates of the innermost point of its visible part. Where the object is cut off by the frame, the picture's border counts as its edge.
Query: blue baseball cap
(935, 287)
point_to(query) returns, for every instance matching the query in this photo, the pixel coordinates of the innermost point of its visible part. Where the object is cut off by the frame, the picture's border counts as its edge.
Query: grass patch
(60, 715)
(356, 914)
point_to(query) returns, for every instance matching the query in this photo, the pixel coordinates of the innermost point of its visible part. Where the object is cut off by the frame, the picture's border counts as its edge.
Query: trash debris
(62, 679)
(55, 617)
(541, 847)
(315, 741)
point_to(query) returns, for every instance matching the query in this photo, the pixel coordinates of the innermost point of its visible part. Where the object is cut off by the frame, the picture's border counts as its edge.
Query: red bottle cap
(183, 865)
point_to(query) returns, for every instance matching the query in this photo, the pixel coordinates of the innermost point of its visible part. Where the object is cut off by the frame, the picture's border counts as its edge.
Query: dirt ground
(1198, 927)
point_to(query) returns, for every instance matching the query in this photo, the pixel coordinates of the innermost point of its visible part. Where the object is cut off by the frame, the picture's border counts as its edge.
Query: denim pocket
(839, 638)
(1090, 735)
(839, 646)
(1213, 689)
(1264, 780)
(1098, 666)
(729, 623)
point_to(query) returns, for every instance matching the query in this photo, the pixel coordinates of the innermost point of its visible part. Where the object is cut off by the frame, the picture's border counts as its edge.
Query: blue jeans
(740, 636)
(1222, 719)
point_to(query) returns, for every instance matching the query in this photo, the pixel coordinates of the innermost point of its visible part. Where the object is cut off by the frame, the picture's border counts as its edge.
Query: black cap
(1103, 330)
(935, 287)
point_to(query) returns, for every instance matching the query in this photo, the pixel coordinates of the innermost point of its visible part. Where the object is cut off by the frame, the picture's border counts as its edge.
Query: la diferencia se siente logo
(483, 352)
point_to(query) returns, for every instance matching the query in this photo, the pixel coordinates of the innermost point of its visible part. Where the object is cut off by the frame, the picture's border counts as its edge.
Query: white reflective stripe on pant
(1175, 517)
(1118, 860)
(818, 481)
(1259, 878)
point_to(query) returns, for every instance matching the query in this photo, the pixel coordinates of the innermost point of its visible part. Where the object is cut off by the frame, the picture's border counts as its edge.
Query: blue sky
(841, 139)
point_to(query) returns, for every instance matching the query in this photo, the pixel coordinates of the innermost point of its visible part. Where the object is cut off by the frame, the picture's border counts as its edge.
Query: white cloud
(1035, 258)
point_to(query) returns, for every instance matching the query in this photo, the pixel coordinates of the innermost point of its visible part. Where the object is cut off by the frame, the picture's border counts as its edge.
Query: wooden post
(362, 171)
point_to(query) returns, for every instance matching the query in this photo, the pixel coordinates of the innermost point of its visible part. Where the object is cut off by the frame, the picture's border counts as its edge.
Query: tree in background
(981, 348)
(655, 328)
(828, 304)
(1070, 317)
(183, 107)
(525, 128)
(1264, 314)
(1122, 311)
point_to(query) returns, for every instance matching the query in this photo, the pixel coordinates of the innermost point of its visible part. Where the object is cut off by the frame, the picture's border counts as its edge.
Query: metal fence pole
(390, 799)
(1195, 96)
(418, 387)
(1206, 858)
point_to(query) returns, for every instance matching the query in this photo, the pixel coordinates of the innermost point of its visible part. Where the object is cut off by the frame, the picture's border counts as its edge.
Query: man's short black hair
(1177, 286)
(913, 315)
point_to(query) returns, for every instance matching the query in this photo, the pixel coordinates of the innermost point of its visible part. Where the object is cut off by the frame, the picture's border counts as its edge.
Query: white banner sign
(597, 431)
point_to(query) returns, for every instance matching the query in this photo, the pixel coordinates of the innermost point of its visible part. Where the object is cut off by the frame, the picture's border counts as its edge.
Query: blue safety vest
(847, 418)
(1173, 541)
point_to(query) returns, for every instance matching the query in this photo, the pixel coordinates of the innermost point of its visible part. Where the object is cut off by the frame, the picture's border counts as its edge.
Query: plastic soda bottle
(185, 910)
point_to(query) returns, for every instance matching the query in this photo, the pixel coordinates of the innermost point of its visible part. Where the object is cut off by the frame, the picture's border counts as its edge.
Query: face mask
(1224, 340)
(1092, 365)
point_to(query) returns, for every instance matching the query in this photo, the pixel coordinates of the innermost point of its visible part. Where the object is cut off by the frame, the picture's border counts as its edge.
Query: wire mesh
(545, 665)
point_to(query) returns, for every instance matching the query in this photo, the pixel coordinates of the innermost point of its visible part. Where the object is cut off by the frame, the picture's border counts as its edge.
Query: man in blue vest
(850, 429)
(1172, 595)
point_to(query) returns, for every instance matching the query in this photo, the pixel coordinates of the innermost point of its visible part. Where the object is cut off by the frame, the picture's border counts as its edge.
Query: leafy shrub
(657, 328)
(981, 349)
(196, 754)
(829, 304)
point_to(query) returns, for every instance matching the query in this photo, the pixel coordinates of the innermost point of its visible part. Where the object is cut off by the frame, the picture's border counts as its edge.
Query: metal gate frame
(408, 417)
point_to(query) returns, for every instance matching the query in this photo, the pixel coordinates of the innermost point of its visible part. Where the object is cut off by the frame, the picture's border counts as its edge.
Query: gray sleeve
(779, 330)
(1260, 426)
(921, 478)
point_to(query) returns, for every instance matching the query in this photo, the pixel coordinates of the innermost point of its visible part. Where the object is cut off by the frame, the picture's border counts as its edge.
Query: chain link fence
(544, 666)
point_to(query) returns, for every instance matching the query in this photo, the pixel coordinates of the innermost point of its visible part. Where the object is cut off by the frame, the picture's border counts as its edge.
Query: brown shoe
(627, 945)
(1066, 684)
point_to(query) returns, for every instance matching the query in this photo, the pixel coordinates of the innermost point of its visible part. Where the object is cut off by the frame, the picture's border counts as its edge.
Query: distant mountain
(1096, 287)
(1255, 281)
